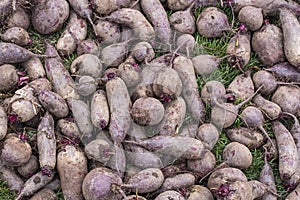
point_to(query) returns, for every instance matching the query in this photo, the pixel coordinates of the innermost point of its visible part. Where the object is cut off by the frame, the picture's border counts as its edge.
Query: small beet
(252, 17)
(212, 22)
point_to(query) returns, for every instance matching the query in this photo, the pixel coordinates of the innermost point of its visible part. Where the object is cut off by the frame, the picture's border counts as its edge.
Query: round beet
(212, 22)
(87, 64)
(108, 32)
(204, 165)
(29, 168)
(16, 35)
(208, 134)
(9, 77)
(143, 51)
(252, 17)
(147, 111)
(237, 155)
(19, 18)
(212, 91)
(288, 98)
(15, 152)
(225, 175)
(167, 83)
(186, 44)
(145, 181)
(267, 43)
(183, 21)
(98, 183)
(49, 16)
(265, 79)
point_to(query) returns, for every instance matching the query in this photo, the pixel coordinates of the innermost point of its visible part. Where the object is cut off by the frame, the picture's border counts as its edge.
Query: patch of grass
(219, 147)
(59, 195)
(253, 171)
(5, 193)
(38, 40)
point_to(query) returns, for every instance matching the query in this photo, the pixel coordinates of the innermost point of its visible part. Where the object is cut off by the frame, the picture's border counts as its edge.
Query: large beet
(48, 16)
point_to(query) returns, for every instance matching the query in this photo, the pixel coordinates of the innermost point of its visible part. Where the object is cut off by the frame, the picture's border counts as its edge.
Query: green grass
(225, 74)
(5, 194)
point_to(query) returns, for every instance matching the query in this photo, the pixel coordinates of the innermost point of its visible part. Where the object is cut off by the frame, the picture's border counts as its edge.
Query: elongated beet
(285, 71)
(3, 123)
(190, 93)
(173, 117)
(54, 103)
(135, 20)
(142, 158)
(291, 31)
(269, 7)
(62, 82)
(12, 53)
(72, 168)
(33, 184)
(177, 182)
(83, 8)
(157, 15)
(184, 147)
(46, 142)
(99, 109)
(248, 137)
(82, 115)
(254, 118)
(269, 108)
(119, 104)
(66, 44)
(288, 154)
(267, 177)
(11, 179)
(295, 131)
